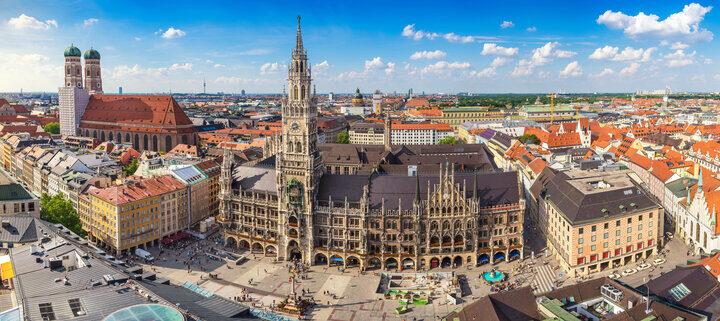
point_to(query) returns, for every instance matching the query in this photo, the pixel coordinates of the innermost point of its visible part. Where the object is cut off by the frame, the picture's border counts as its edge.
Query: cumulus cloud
(499, 62)
(507, 24)
(30, 71)
(437, 54)
(218, 66)
(321, 67)
(679, 45)
(125, 71)
(495, 50)
(372, 66)
(485, 73)
(270, 68)
(540, 57)
(631, 69)
(572, 69)
(90, 22)
(172, 33)
(442, 66)
(25, 22)
(531, 29)
(627, 54)
(680, 24)
(679, 58)
(604, 72)
(409, 31)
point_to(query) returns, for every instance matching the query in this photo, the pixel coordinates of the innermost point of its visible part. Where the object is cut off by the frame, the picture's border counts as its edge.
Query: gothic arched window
(154, 143)
(295, 92)
(298, 147)
(302, 92)
(168, 142)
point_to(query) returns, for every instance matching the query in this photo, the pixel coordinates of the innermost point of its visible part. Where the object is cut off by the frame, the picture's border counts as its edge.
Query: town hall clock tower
(298, 164)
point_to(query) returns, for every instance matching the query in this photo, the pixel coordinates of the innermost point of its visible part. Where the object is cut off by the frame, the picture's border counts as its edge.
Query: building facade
(289, 208)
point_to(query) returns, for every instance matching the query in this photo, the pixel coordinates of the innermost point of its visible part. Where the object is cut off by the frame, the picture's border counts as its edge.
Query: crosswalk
(544, 279)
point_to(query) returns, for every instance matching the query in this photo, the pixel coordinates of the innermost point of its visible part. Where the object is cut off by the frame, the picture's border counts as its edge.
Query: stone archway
(408, 264)
(231, 242)
(270, 250)
(168, 143)
(352, 261)
(514, 254)
(257, 248)
(336, 260)
(434, 263)
(294, 254)
(483, 259)
(391, 263)
(457, 261)
(498, 256)
(244, 245)
(374, 263)
(446, 262)
(320, 259)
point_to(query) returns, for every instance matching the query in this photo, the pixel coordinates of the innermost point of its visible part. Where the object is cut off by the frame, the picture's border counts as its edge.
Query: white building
(419, 134)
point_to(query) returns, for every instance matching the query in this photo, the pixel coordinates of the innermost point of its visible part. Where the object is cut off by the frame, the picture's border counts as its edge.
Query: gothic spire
(298, 37)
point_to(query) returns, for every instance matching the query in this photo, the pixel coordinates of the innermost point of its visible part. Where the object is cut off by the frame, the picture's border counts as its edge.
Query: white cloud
(437, 54)
(321, 67)
(524, 67)
(604, 72)
(90, 22)
(565, 54)
(390, 69)
(679, 46)
(270, 68)
(218, 66)
(409, 31)
(137, 38)
(630, 69)
(495, 50)
(172, 33)
(487, 72)
(124, 71)
(176, 67)
(507, 24)
(531, 29)
(23, 22)
(442, 66)
(374, 64)
(29, 71)
(572, 69)
(680, 24)
(499, 62)
(708, 61)
(679, 58)
(627, 54)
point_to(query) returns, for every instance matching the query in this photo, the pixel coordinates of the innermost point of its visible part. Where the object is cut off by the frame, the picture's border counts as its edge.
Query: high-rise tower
(298, 164)
(73, 67)
(93, 78)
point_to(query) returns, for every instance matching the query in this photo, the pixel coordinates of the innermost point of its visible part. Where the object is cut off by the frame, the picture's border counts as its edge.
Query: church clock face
(294, 126)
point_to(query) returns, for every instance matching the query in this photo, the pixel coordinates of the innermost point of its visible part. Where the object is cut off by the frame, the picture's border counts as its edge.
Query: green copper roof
(72, 51)
(91, 54)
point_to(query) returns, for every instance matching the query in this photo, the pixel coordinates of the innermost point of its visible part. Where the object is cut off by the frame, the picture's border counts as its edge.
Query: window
(679, 291)
(617, 223)
(606, 226)
(46, 312)
(581, 241)
(593, 238)
(76, 307)
(593, 248)
(617, 232)
(593, 228)
(606, 235)
(581, 230)
(580, 250)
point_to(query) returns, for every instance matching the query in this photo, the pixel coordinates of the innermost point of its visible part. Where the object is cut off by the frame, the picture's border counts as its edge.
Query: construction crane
(552, 107)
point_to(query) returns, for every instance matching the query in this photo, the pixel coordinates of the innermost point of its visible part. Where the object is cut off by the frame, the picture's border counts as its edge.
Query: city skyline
(602, 47)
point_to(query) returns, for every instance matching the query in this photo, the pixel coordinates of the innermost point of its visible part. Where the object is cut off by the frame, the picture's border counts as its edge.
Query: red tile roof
(138, 190)
(158, 113)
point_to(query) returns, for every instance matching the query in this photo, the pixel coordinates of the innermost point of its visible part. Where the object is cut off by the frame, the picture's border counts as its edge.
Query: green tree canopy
(130, 169)
(448, 140)
(529, 139)
(58, 209)
(343, 137)
(52, 128)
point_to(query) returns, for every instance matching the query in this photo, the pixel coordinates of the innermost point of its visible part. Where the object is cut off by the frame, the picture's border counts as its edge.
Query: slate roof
(704, 289)
(21, 229)
(587, 205)
(396, 190)
(255, 178)
(13, 192)
(518, 304)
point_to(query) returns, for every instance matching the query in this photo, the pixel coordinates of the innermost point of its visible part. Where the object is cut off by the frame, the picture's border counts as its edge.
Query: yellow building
(136, 214)
(457, 116)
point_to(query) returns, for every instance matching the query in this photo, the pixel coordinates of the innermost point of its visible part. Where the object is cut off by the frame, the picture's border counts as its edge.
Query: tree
(58, 209)
(448, 140)
(130, 169)
(529, 139)
(343, 137)
(52, 128)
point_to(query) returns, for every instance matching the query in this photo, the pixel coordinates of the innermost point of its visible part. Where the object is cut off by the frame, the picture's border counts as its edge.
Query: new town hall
(368, 206)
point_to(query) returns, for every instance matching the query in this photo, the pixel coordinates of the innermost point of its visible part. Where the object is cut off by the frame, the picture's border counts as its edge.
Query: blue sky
(476, 46)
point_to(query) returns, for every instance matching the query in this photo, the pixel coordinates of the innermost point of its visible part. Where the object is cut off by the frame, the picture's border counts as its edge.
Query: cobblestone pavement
(349, 295)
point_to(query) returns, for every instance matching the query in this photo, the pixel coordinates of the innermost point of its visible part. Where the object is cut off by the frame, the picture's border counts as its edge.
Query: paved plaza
(350, 295)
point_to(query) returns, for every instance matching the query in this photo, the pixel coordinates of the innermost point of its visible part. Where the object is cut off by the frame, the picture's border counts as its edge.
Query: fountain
(493, 276)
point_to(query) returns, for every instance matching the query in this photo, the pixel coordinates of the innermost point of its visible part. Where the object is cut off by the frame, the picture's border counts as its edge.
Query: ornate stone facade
(289, 207)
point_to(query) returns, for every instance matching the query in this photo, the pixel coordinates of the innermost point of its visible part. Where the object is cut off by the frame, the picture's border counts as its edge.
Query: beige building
(595, 221)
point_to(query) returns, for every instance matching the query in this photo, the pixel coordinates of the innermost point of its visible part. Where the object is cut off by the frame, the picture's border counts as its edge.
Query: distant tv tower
(204, 86)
